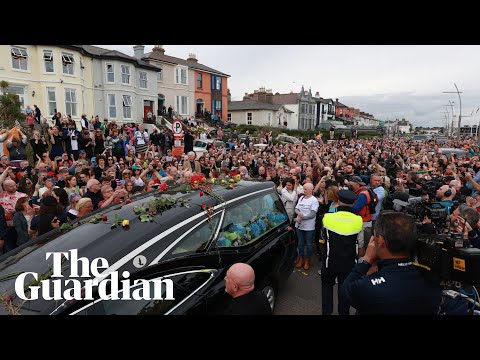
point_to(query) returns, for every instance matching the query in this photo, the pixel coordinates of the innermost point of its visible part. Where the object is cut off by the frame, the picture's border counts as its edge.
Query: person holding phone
(49, 216)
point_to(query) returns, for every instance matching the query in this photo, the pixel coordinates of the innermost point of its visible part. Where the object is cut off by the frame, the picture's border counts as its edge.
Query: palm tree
(10, 107)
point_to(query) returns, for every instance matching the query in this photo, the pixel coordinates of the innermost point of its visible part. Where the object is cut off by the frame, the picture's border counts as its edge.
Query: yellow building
(55, 78)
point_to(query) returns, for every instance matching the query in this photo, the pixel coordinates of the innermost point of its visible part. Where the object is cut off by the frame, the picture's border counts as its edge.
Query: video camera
(433, 210)
(449, 257)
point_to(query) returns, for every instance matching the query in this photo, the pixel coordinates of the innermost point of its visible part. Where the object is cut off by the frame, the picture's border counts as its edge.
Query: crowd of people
(77, 169)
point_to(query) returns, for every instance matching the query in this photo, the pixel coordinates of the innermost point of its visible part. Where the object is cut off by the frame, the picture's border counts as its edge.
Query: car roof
(98, 240)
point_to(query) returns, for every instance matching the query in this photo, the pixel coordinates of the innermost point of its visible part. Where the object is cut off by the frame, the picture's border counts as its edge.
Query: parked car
(201, 147)
(441, 139)
(419, 138)
(182, 244)
(287, 139)
(458, 152)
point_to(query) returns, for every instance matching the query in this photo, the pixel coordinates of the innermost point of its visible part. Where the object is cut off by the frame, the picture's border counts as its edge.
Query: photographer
(399, 287)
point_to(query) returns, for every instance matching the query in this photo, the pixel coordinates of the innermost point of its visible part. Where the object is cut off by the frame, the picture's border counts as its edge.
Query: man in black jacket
(340, 230)
(399, 286)
(239, 284)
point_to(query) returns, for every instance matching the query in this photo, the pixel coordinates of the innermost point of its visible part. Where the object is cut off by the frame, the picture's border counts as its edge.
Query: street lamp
(453, 115)
(460, 101)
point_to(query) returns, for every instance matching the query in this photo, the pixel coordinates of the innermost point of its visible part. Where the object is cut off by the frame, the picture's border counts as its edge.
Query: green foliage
(9, 108)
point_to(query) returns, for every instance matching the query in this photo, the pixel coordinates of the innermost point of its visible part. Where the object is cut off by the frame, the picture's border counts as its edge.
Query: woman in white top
(289, 197)
(138, 175)
(141, 139)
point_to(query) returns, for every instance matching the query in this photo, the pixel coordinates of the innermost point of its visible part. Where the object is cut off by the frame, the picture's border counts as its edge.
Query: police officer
(340, 230)
(399, 286)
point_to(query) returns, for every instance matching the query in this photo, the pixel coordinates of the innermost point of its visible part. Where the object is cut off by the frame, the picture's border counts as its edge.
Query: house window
(17, 90)
(68, 62)
(182, 105)
(181, 76)
(249, 118)
(143, 80)
(48, 60)
(125, 75)
(160, 74)
(199, 81)
(112, 106)
(110, 73)
(52, 102)
(70, 102)
(19, 58)
(229, 117)
(127, 106)
(216, 82)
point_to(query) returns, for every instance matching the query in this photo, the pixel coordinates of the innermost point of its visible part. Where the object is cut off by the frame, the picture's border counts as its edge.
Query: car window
(245, 223)
(184, 285)
(197, 239)
(200, 144)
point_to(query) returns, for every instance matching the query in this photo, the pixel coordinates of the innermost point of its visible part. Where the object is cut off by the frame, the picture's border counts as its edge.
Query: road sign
(177, 127)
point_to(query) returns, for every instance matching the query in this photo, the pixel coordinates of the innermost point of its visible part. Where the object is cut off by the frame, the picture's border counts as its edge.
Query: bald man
(8, 200)
(445, 195)
(240, 285)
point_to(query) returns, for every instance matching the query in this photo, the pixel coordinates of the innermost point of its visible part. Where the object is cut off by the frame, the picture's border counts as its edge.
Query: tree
(10, 107)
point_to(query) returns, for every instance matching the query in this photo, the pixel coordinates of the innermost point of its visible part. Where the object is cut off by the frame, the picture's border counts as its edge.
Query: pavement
(302, 293)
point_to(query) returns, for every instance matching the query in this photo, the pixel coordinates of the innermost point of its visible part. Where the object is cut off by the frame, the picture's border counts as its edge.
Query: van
(192, 241)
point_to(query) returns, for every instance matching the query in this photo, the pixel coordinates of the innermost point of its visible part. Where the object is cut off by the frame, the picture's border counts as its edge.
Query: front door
(147, 109)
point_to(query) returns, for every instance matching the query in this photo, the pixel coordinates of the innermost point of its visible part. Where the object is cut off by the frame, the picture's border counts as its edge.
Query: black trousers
(328, 281)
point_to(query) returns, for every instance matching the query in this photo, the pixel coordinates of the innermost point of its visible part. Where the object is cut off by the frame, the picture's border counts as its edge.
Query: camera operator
(445, 195)
(398, 287)
(464, 220)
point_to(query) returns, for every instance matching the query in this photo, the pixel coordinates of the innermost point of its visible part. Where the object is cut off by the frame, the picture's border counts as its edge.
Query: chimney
(262, 95)
(246, 96)
(192, 58)
(317, 94)
(159, 48)
(269, 97)
(138, 51)
(336, 101)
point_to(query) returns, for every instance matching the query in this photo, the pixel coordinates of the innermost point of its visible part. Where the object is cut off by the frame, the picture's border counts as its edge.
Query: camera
(448, 257)
(154, 165)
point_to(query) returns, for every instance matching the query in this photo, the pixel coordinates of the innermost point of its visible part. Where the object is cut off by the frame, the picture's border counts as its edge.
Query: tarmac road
(302, 294)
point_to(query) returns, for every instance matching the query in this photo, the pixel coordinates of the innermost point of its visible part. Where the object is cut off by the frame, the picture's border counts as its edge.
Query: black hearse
(192, 243)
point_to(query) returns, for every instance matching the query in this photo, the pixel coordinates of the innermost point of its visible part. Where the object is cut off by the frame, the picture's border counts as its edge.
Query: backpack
(373, 200)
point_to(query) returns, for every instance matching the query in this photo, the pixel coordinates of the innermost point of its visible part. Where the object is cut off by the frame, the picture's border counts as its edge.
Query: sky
(387, 81)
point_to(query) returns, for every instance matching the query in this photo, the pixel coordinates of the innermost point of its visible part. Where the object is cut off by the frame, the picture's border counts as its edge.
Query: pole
(460, 115)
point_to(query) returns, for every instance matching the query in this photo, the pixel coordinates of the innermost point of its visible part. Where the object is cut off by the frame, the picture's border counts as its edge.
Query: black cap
(356, 179)
(347, 197)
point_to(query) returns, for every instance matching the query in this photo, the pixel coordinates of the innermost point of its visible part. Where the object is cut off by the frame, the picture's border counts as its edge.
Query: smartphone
(30, 203)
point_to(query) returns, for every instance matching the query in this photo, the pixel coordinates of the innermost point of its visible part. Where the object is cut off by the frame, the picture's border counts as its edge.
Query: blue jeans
(305, 242)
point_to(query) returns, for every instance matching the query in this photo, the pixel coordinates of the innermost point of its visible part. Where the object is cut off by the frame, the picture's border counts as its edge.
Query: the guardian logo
(76, 289)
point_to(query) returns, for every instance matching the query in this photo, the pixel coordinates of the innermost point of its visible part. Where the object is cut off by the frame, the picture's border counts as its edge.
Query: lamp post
(453, 115)
(460, 101)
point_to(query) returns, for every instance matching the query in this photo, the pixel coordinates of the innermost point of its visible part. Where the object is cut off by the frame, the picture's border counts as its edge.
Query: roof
(160, 56)
(283, 99)
(101, 53)
(339, 104)
(252, 105)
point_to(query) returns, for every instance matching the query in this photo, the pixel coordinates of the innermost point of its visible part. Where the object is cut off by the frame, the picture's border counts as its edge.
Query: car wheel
(271, 295)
